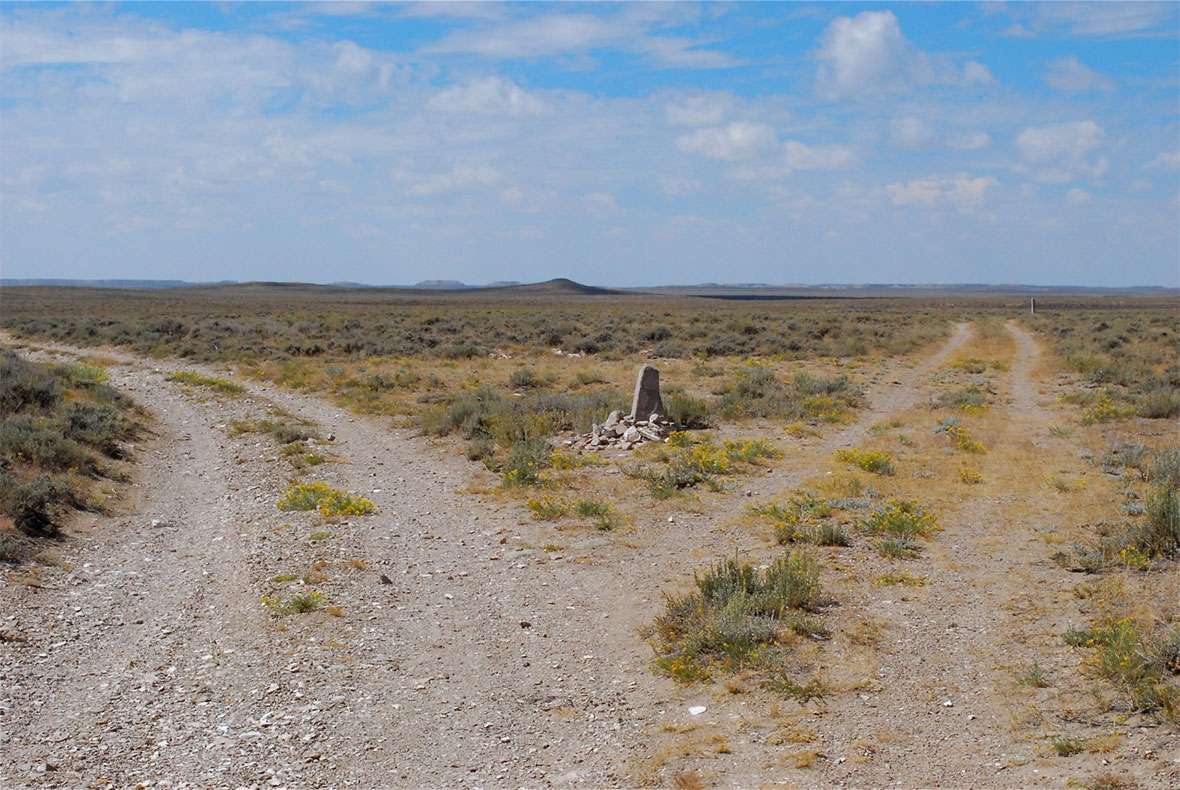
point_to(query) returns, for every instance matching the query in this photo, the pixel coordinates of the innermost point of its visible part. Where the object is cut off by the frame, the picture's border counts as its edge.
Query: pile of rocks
(622, 432)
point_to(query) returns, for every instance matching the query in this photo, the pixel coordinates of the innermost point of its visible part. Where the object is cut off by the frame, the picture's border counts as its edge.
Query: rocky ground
(457, 645)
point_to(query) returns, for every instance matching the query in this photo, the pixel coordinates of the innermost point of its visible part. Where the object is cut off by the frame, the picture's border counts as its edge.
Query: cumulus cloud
(488, 96)
(1063, 149)
(866, 52)
(960, 191)
(1070, 74)
(867, 55)
(735, 141)
(1060, 141)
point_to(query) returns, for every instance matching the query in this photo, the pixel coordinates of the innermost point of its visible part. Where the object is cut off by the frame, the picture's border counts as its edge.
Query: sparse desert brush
(1165, 468)
(61, 428)
(1066, 746)
(755, 391)
(798, 430)
(327, 500)
(1106, 409)
(1142, 664)
(299, 603)
(971, 398)
(959, 436)
(969, 475)
(284, 432)
(901, 519)
(878, 462)
(803, 518)
(223, 386)
(1130, 351)
(1035, 676)
(687, 411)
(548, 508)
(735, 617)
(899, 578)
(686, 463)
(524, 463)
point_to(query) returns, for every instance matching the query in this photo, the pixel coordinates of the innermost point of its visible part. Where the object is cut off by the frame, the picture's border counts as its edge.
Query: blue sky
(617, 144)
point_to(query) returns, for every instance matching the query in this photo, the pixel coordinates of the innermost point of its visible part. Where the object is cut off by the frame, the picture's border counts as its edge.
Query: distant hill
(442, 285)
(559, 285)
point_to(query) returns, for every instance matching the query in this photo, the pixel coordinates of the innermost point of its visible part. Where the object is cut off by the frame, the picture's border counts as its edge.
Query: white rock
(697, 710)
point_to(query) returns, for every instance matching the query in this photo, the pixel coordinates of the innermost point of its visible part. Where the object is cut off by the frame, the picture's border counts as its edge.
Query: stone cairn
(645, 423)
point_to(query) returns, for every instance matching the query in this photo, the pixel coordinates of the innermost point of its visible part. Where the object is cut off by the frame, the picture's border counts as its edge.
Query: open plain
(954, 511)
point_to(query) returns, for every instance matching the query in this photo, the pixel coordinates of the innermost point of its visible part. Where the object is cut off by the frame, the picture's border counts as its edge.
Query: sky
(615, 144)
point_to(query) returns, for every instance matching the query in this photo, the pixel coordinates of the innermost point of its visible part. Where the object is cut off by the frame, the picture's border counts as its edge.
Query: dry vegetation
(759, 390)
(63, 433)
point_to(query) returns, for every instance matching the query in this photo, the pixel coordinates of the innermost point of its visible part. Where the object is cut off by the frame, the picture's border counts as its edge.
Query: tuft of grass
(1035, 676)
(299, 603)
(1136, 661)
(223, 386)
(901, 519)
(327, 500)
(969, 475)
(1066, 746)
(898, 548)
(899, 578)
(736, 618)
(878, 462)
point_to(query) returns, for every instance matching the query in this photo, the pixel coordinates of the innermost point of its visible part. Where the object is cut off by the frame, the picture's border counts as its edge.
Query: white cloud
(1065, 143)
(1078, 197)
(488, 96)
(555, 34)
(1168, 160)
(699, 110)
(678, 186)
(1070, 74)
(910, 132)
(459, 178)
(865, 53)
(975, 73)
(736, 141)
(969, 141)
(868, 55)
(961, 191)
(1102, 19)
(800, 156)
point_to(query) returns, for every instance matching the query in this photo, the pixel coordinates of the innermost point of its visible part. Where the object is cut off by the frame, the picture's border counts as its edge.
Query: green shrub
(876, 461)
(524, 463)
(1166, 468)
(686, 411)
(327, 500)
(1161, 403)
(1129, 656)
(34, 505)
(523, 379)
(734, 618)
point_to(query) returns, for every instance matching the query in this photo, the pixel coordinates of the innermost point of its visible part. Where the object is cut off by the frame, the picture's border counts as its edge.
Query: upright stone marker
(646, 400)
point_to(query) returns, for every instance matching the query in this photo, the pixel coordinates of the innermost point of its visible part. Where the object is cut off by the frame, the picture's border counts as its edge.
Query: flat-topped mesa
(646, 400)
